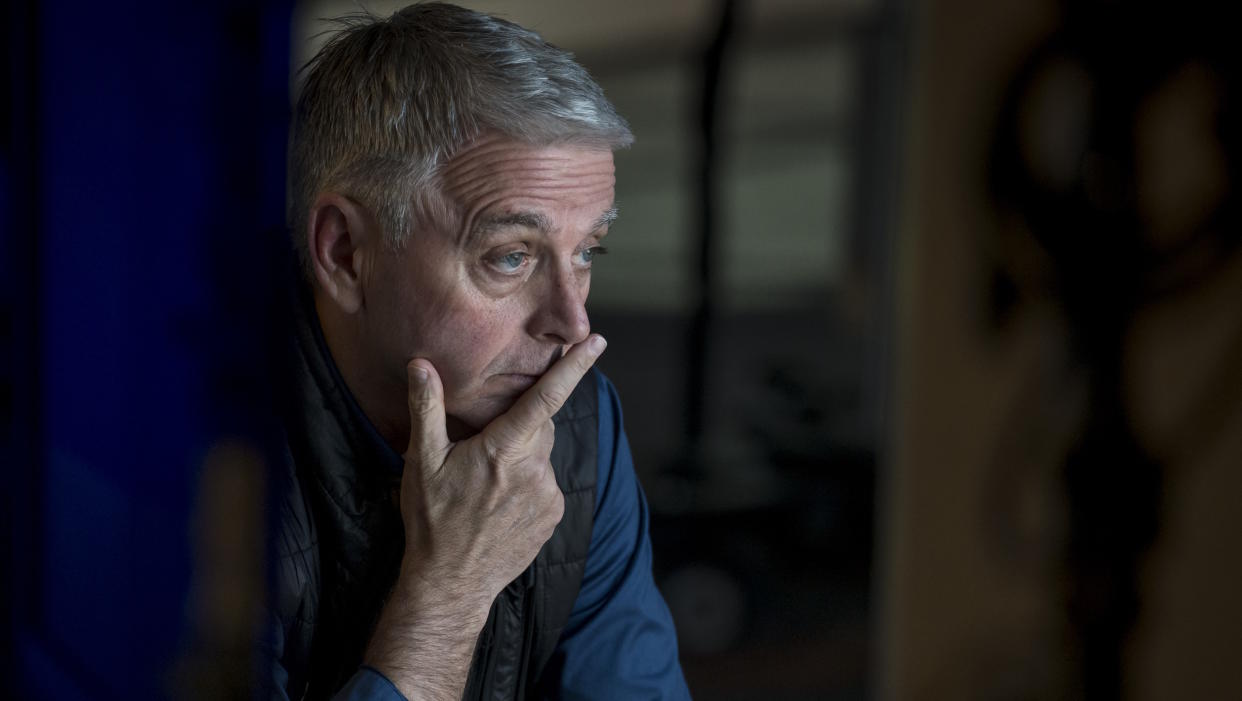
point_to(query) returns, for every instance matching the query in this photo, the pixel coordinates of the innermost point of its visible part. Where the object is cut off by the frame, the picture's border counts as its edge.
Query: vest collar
(360, 435)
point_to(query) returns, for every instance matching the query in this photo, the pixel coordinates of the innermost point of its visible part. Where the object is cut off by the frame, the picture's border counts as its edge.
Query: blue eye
(589, 254)
(510, 262)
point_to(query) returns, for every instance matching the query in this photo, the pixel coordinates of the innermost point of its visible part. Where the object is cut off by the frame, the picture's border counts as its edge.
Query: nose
(560, 308)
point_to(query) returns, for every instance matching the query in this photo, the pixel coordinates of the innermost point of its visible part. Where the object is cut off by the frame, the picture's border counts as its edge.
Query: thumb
(429, 443)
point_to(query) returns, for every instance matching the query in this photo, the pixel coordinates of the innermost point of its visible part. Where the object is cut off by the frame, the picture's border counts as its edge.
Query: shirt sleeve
(619, 642)
(368, 684)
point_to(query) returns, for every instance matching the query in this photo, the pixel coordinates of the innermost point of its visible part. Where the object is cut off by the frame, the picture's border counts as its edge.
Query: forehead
(559, 182)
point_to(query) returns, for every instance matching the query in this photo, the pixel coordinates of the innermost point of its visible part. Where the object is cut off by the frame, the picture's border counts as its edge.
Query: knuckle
(549, 398)
(557, 508)
(548, 485)
(546, 437)
(583, 364)
(497, 453)
(517, 475)
(533, 475)
(421, 407)
(528, 476)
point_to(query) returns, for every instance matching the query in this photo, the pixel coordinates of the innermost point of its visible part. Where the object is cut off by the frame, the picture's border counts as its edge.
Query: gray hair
(386, 102)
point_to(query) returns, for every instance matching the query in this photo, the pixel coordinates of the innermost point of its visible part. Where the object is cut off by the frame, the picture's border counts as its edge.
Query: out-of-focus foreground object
(141, 209)
(1060, 522)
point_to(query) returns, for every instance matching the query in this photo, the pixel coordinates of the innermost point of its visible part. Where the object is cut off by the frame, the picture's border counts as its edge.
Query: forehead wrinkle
(490, 162)
(479, 196)
(470, 166)
(495, 185)
(473, 190)
(496, 175)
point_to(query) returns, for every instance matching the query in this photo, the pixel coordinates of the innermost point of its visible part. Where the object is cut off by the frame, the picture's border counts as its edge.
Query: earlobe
(337, 233)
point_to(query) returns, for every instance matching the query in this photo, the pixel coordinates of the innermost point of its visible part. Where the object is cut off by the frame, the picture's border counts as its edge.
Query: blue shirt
(619, 642)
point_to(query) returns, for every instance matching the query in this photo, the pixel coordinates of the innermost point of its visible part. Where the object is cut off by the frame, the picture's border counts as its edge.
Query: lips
(516, 382)
(535, 367)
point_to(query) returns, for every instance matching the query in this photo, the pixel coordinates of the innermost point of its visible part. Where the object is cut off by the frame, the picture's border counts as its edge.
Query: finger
(537, 405)
(545, 438)
(429, 441)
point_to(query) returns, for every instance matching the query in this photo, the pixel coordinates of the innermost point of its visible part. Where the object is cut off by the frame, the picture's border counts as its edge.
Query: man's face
(494, 297)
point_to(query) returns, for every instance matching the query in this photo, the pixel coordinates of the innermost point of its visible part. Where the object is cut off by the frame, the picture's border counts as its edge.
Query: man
(461, 517)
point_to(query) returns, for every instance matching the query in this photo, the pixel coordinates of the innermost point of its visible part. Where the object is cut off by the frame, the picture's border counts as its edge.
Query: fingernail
(420, 374)
(597, 344)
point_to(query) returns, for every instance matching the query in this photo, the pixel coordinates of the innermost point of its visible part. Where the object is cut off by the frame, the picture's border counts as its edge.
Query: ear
(339, 237)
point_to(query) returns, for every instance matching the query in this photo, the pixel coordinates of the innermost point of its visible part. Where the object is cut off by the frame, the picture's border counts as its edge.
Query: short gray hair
(387, 101)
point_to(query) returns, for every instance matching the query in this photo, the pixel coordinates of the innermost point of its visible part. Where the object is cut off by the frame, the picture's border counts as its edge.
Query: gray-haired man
(462, 516)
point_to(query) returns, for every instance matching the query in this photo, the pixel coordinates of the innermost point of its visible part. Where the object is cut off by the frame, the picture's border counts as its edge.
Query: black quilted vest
(340, 539)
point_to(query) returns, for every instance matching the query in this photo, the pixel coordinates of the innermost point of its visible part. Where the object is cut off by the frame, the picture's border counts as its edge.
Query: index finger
(545, 397)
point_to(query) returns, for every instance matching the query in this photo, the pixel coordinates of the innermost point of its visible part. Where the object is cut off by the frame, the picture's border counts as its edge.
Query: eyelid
(492, 259)
(592, 250)
(508, 248)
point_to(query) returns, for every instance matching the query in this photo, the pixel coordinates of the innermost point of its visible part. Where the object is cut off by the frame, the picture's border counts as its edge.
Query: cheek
(468, 340)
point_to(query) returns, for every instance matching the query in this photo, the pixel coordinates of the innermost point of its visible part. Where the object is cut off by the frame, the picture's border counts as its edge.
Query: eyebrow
(605, 219)
(529, 220)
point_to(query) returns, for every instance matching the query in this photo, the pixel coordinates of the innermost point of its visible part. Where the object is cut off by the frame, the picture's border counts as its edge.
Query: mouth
(519, 381)
(525, 374)
(516, 382)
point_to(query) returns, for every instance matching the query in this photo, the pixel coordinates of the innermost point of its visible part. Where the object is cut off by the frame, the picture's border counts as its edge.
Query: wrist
(426, 634)
(433, 596)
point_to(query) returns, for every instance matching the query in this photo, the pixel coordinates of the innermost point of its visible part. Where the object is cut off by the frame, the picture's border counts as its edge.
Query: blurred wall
(973, 517)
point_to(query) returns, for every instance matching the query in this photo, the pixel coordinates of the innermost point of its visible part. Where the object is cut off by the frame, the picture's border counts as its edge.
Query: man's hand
(476, 514)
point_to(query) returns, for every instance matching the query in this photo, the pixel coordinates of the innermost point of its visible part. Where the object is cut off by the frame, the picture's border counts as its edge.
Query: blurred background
(924, 314)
